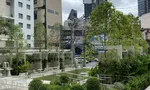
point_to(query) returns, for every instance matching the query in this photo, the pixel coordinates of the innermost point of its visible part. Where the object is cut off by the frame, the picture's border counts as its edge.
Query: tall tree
(55, 35)
(120, 29)
(39, 36)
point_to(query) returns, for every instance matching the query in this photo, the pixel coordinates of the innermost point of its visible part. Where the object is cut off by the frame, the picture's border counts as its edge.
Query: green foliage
(118, 86)
(44, 87)
(39, 35)
(139, 82)
(77, 87)
(24, 68)
(35, 84)
(64, 79)
(93, 84)
(94, 71)
(120, 70)
(54, 36)
(16, 62)
(54, 87)
(120, 29)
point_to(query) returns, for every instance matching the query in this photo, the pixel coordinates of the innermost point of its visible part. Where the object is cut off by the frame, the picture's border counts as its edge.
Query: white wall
(145, 20)
(25, 12)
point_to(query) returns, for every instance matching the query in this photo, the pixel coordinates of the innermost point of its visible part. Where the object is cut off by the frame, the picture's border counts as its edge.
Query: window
(8, 3)
(50, 27)
(20, 4)
(28, 26)
(57, 13)
(28, 6)
(35, 1)
(35, 14)
(28, 17)
(21, 25)
(20, 16)
(28, 37)
(29, 45)
(50, 11)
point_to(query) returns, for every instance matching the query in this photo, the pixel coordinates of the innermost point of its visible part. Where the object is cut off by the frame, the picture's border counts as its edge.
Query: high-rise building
(47, 12)
(21, 12)
(89, 5)
(143, 7)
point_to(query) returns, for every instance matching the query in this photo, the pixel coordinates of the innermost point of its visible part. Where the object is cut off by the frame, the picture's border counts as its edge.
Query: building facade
(145, 26)
(21, 12)
(89, 5)
(47, 12)
(143, 7)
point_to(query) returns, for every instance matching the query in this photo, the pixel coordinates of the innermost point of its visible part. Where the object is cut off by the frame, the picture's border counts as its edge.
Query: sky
(126, 6)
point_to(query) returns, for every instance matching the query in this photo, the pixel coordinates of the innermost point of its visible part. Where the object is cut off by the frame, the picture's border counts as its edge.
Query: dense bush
(139, 82)
(130, 66)
(64, 79)
(44, 87)
(77, 87)
(24, 68)
(35, 84)
(93, 84)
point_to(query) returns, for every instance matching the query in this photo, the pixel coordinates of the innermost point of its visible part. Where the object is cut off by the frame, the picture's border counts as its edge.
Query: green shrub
(44, 87)
(118, 86)
(35, 84)
(64, 79)
(24, 68)
(56, 82)
(77, 87)
(139, 82)
(93, 84)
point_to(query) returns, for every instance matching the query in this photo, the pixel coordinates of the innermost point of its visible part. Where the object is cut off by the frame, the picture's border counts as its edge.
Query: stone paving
(21, 83)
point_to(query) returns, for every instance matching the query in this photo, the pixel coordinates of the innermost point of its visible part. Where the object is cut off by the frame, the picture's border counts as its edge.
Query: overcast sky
(126, 6)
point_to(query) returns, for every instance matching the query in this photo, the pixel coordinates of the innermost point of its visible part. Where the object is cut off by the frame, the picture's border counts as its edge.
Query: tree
(93, 84)
(4, 26)
(55, 35)
(16, 44)
(117, 28)
(64, 79)
(39, 36)
(54, 40)
(77, 87)
(35, 84)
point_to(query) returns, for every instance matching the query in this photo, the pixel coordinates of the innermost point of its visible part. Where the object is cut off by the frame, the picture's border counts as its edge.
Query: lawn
(54, 77)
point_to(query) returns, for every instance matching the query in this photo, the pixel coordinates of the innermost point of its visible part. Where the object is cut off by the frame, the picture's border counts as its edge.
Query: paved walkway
(148, 88)
(21, 82)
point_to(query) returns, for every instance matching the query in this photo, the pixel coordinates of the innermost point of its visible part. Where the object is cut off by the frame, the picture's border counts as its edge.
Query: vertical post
(72, 43)
(84, 62)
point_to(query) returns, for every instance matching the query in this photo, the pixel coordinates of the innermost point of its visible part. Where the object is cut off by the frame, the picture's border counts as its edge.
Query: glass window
(8, 3)
(35, 14)
(28, 17)
(50, 27)
(57, 13)
(28, 6)
(35, 1)
(51, 11)
(21, 25)
(29, 45)
(20, 16)
(28, 37)
(28, 26)
(20, 4)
